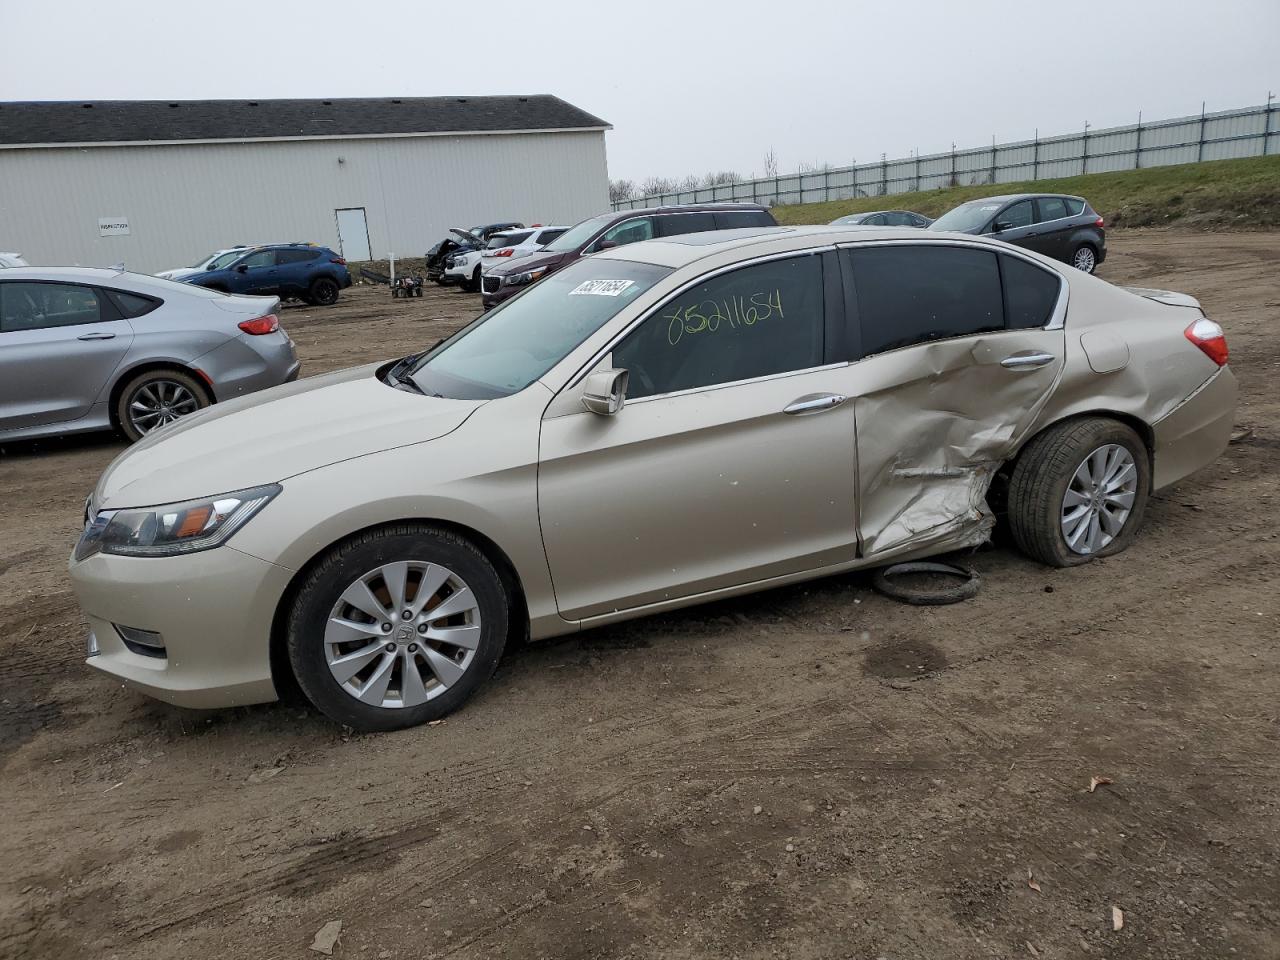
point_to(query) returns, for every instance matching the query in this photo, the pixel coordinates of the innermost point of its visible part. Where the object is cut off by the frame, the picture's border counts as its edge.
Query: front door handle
(814, 403)
(1027, 361)
(96, 336)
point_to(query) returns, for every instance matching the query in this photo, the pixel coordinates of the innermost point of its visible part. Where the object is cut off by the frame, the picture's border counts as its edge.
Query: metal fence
(1247, 132)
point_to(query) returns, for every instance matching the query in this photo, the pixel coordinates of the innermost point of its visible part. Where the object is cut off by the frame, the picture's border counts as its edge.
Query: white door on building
(353, 234)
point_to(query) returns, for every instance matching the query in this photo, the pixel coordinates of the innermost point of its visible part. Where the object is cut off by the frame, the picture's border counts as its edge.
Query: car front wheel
(1078, 491)
(397, 627)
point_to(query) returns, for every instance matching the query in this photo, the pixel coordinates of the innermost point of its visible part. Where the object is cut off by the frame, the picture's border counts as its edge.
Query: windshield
(516, 343)
(968, 217)
(575, 237)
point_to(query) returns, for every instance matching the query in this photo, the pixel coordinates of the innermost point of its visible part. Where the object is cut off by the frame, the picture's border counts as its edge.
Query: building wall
(182, 201)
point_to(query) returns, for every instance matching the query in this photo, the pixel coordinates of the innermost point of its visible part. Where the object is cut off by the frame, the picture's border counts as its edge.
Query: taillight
(504, 253)
(1099, 223)
(1208, 336)
(260, 325)
(341, 262)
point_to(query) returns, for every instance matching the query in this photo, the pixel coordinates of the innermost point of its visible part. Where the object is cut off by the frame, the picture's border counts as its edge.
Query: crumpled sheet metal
(929, 444)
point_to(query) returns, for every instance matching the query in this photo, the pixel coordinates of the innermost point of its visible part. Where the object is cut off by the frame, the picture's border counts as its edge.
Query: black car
(462, 240)
(883, 218)
(1065, 228)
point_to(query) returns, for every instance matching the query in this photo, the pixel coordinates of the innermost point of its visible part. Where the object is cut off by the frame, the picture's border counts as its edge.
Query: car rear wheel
(397, 627)
(1078, 491)
(323, 292)
(152, 399)
(1085, 258)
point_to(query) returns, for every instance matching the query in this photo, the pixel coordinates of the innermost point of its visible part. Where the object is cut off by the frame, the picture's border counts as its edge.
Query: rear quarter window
(735, 219)
(1075, 207)
(1030, 293)
(132, 305)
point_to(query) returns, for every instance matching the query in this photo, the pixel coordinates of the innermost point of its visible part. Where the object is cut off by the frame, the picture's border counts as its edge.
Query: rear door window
(761, 319)
(736, 219)
(295, 256)
(1050, 208)
(910, 294)
(36, 306)
(1030, 293)
(674, 224)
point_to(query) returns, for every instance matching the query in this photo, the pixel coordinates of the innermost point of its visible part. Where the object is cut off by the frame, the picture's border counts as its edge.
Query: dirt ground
(813, 772)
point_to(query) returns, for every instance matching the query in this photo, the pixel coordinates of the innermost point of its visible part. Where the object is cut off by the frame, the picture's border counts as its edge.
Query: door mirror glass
(605, 391)
(1000, 226)
(243, 268)
(606, 244)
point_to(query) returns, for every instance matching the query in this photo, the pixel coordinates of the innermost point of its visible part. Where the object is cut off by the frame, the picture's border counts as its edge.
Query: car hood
(468, 236)
(270, 436)
(525, 264)
(179, 273)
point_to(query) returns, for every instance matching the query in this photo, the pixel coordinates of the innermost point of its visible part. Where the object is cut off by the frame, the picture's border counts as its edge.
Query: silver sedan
(85, 349)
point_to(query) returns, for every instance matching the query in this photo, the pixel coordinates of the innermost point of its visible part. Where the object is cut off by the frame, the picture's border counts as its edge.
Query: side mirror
(243, 268)
(606, 244)
(1000, 226)
(605, 391)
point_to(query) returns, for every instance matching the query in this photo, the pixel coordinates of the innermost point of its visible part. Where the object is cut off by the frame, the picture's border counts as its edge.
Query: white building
(156, 184)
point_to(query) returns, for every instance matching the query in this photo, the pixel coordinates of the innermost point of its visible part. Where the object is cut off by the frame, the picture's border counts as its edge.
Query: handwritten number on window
(729, 313)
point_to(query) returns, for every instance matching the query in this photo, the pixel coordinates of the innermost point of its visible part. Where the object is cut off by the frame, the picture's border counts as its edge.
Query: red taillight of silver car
(1208, 336)
(261, 325)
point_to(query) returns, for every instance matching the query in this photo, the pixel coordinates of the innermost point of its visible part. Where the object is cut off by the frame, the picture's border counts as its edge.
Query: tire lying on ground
(967, 583)
(1078, 491)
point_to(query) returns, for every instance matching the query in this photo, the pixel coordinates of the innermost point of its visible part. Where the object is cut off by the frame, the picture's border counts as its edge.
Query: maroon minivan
(613, 230)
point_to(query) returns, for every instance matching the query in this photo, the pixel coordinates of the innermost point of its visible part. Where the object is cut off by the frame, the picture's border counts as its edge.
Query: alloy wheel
(1099, 499)
(158, 402)
(1084, 259)
(402, 634)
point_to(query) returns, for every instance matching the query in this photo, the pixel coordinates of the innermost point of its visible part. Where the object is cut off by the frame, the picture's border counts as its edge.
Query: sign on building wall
(113, 226)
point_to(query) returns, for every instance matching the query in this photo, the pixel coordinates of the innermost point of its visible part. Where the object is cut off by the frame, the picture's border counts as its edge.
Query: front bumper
(1195, 432)
(213, 609)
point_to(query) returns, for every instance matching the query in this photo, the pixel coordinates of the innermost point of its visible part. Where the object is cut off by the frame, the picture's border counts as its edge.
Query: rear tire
(1078, 492)
(1085, 258)
(323, 292)
(155, 398)
(363, 571)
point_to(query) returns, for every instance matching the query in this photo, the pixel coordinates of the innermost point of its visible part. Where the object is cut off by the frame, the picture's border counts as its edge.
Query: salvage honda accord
(654, 426)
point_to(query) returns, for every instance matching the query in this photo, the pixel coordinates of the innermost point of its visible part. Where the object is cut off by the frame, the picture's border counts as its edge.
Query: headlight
(526, 278)
(174, 528)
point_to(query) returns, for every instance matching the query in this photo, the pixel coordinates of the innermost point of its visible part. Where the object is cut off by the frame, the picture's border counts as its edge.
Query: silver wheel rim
(159, 402)
(1099, 499)
(1084, 260)
(402, 634)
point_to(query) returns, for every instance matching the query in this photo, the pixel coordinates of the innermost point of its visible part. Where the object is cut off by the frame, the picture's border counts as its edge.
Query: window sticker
(600, 288)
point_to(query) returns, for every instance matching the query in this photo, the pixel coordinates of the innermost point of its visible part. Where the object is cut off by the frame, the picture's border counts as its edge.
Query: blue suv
(299, 271)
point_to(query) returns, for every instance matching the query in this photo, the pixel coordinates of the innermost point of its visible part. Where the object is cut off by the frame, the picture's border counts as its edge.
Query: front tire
(155, 398)
(1078, 492)
(397, 627)
(1085, 258)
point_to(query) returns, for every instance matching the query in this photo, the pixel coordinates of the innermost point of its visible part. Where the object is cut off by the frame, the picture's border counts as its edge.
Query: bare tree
(721, 179)
(655, 185)
(690, 184)
(771, 163)
(621, 190)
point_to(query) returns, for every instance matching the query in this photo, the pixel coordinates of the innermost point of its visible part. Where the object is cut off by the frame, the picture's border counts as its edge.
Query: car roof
(686, 248)
(1005, 198)
(97, 276)
(545, 226)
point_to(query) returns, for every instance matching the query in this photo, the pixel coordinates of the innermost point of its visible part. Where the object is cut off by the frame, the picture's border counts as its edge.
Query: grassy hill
(1221, 194)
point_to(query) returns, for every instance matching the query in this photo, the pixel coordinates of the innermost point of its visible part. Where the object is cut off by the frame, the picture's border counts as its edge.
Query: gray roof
(116, 121)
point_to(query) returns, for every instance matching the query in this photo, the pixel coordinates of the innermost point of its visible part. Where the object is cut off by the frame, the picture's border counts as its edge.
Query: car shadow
(67, 443)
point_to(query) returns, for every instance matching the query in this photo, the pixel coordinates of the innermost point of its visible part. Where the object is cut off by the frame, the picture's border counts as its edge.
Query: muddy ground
(813, 772)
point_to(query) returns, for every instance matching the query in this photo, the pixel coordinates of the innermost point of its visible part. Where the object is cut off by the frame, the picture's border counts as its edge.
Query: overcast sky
(689, 87)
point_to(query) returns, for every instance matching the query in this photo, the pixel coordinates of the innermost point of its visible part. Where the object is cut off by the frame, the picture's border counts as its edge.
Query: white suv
(465, 268)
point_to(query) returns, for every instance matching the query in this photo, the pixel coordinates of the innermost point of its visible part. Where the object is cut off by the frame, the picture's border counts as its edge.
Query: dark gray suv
(1065, 228)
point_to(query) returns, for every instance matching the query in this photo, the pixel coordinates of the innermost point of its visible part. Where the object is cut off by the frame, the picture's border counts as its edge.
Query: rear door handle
(96, 336)
(814, 403)
(1025, 361)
